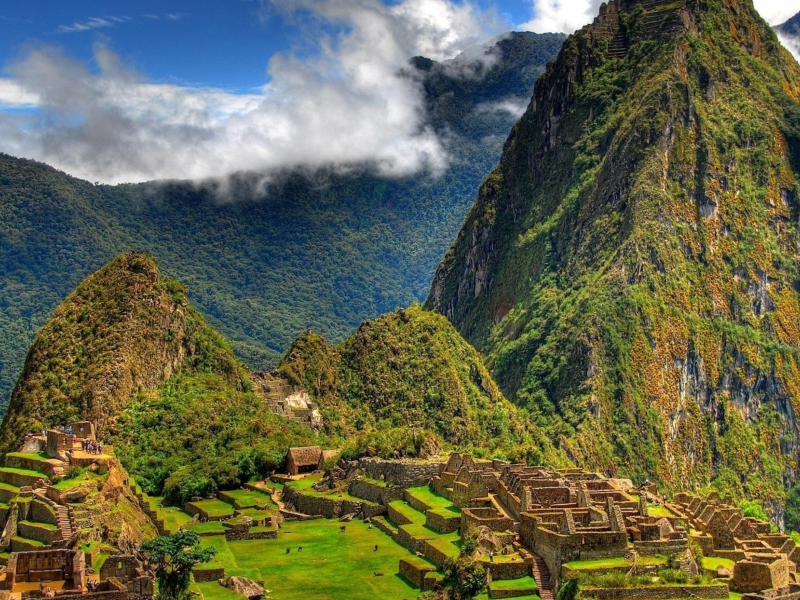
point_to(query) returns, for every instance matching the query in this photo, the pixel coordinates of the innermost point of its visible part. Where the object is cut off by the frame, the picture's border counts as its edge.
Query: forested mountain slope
(630, 270)
(321, 250)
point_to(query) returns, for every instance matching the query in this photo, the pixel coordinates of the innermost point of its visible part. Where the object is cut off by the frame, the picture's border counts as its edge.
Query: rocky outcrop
(245, 587)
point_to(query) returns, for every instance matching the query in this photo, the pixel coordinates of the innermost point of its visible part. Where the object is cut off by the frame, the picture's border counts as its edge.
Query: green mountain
(321, 250)
(128, 352)
(411, 369)
(630, 270)
(186, 418)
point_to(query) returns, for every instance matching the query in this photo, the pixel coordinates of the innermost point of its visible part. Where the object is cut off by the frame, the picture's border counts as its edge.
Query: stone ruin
(46, 566)
(287, 400)
(127, 570)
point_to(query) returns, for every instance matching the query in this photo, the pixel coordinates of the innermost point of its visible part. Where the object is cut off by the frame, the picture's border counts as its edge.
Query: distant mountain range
(318, 250)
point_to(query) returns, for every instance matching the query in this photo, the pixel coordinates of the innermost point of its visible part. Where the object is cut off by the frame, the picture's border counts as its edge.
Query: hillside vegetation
(265, 262)
(630, 268)
(411, 369)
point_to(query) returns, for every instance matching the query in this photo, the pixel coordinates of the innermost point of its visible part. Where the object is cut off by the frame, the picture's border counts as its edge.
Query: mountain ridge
(322, 250)
(611, 269)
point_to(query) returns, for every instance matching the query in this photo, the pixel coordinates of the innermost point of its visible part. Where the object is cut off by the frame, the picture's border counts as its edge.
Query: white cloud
(569, 15)
(776, 12)
(551, 16)
(93, 23)
(346, 104)
(792, 43)
(13, 95)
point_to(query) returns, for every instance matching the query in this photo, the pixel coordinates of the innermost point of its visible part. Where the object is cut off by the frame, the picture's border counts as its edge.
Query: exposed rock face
(630, 268)
(246, 587)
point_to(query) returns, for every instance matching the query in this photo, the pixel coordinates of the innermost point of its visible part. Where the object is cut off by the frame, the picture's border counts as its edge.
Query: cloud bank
(568, 16)
(346, 103)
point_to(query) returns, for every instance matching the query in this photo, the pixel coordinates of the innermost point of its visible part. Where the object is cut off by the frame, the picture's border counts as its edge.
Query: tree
(173, 557)
(792, 514)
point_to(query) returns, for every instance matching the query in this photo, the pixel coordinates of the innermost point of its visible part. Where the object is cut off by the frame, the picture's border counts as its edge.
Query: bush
(72, 472)
(673, 576)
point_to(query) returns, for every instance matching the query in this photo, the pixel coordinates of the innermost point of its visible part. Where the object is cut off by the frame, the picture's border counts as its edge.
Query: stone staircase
(64, 517)
(541, 574)
(661, 17)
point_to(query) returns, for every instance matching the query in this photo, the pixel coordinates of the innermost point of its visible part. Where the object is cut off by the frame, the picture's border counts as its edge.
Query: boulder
(244, 586)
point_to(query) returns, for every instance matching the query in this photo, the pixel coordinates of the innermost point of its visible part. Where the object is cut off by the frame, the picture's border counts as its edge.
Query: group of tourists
(91, 446)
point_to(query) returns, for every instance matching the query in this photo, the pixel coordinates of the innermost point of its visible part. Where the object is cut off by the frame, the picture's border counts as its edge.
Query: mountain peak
(629, 268)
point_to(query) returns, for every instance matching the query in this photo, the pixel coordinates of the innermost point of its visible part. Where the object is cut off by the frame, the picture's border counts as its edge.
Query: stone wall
(414, 570)
(38, 531)
(42, 512)
(443, 522)
(330, 508)
(204, 575)
(500, 569)
(473, 518)
(665, 547)
(407, 540)
(659, 593)
(374, 492)
(754, 575)
(404, 472)
(397, 517)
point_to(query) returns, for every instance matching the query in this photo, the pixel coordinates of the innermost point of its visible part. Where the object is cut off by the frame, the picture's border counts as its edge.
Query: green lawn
(711, 563)
(338, 565)
(210, 527)
(614, 563)
(430, 498)
(407, 511)
(656, 510)
(304, 485)
(523, 583)
(249, 498)
(214, 508)
(41, 456)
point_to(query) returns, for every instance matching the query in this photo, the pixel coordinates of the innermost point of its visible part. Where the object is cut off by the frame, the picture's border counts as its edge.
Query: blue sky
(133, 90)
(220, 43)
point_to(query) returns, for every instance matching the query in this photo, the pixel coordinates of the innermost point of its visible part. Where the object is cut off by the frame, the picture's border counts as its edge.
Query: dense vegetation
(630, 269)
(411, 369)
(264, 263)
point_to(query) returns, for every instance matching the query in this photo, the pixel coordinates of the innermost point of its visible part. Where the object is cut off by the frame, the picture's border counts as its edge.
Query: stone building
(47, 565)
(303, 460)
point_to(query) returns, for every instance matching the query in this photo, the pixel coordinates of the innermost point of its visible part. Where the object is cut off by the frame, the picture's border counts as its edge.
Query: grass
(711, 563)
(210, 527)
(656, 510)
(101, 559)
(305, 485)
(46, 526)
(407, 511)
(255, 513)
(41, 456)
(214, 508)
(24, 472)
(339, 565)
(430, 498)
(614, 563)
(249, 498)
(446, 546)
(523, 583)
(79, 479)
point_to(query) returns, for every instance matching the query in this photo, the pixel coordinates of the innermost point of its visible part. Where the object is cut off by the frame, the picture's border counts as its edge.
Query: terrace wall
(659, 593)
(379, 494)
(405, 473)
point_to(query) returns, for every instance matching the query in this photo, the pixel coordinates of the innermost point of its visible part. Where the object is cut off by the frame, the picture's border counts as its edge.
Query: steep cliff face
(122, 331)
(630, 268)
